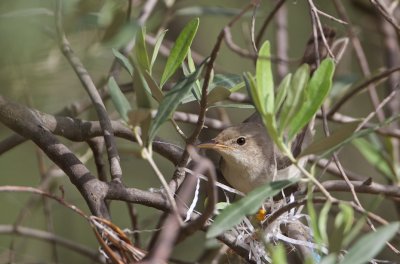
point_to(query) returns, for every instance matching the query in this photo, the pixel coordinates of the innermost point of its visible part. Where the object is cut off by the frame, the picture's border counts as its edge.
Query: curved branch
(28, 124)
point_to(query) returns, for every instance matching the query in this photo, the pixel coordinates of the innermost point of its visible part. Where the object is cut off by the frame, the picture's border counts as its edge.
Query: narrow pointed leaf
(142, 89)
(337, 138)
(232, 82)
(252, 91)
(119, 100)
(172, 100)
(294, 97)
(179, 50)
(374, 156)
(141, 50)
(317, 90)
(157, 46)
(241, 106)
(206, 10)
(217, 94)
(368, 246)
(265, 82)
(323, 221)
(196, 91)
(124, 61)
(234, 213)
(330, 259)
(313, 218)
(155, 90)
(282, 92)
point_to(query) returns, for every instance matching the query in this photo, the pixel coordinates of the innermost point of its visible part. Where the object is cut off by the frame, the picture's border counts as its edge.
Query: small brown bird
(249, 157)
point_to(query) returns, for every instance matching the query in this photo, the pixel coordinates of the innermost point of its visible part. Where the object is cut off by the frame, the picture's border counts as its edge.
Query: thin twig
(90, 87)
(267, 20)
(361, 58)
(359, 88)
(384, 12)
(52, 238)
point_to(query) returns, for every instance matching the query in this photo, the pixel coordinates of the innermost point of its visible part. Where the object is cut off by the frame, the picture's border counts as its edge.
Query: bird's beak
(212, 145)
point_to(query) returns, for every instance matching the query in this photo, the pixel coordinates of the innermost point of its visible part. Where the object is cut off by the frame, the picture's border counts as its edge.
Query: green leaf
(207, 10)
(270, 123)
(141, 50)
(368, 246)
(196, 91)
(142, 89)
(235, 212)
(330, 259)
(345, 217)
(316, 91)
(295, 96)
(282, 92)
(106, 14)
(278, 254)
(373, 155)
(232, 82)
(28, 12)
(335, 140)
(237, 87)
(157, 46)
(221, 206)
(313, 218)
(171, 101)
(122, 36)
(323, 221)
(118, 98)
(152, 85)
(217, 94)
(227, 80)
(343, 223)
(239, 106)
(265, 81)
(252, 90)
(124, 61)
(179, 50)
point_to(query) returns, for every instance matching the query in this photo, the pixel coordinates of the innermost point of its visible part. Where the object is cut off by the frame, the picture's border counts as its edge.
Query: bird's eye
(241, 141)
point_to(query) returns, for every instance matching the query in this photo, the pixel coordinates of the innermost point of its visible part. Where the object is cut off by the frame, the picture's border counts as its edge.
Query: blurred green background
(34, 72)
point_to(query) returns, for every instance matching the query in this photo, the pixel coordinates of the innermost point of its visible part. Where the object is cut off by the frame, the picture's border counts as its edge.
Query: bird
(249, 157)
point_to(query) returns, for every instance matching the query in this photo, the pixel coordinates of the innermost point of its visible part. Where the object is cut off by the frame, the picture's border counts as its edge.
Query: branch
(27, 123)
(359, 88)
(362, 187)
(90, 87)
(51, 238)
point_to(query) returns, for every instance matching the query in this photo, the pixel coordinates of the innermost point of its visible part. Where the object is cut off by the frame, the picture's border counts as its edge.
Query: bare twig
(359, 88)
(51, 238)
(203, 165)
(88, 84)
(267, 20)
(362, 60)
(384, 12)
(362, 187)
(282, 40)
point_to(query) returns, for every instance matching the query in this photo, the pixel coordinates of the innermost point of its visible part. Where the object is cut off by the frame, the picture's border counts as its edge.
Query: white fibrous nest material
(273, 233)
